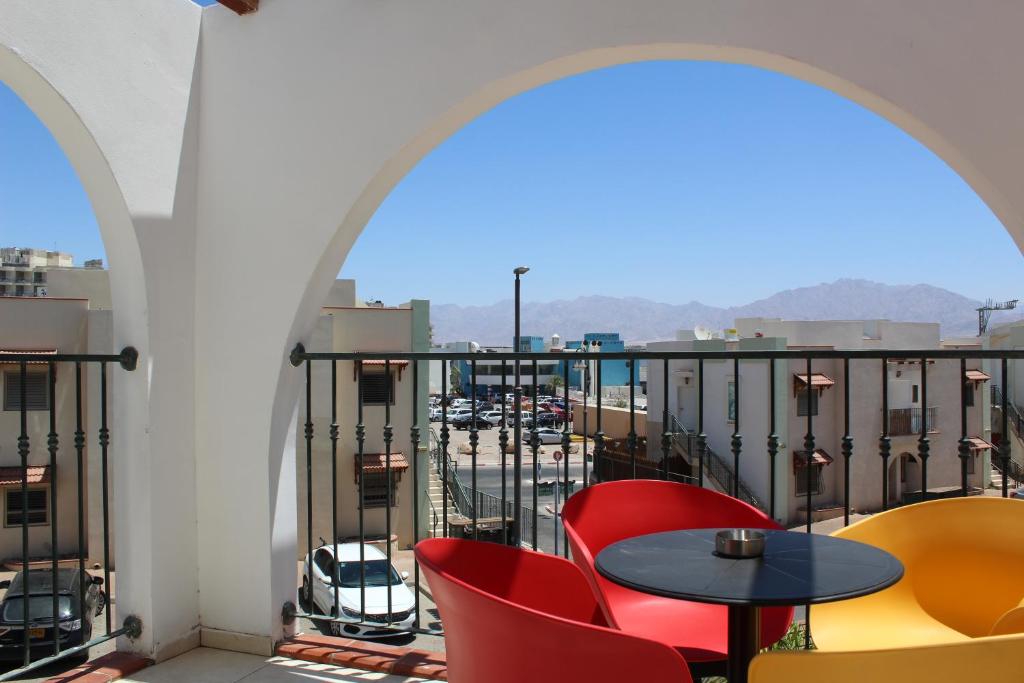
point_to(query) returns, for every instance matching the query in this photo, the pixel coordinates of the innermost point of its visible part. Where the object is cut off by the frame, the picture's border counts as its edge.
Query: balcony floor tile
(206, 665)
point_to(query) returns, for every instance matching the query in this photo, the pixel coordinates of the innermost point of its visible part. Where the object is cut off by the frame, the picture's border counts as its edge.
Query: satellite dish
(702, 332)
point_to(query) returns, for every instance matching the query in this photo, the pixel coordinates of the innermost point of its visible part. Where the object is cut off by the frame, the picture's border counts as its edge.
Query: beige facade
(64, 326)
(27, 272)
(906, 408)
(347, 326)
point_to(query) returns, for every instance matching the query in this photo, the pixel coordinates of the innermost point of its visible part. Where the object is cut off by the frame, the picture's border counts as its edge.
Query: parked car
(492, 416)
(435, 413)
(459, 403)
(527, 419)
(484, 406)
(465, 421)
(458, 412)
(1018, 494)
(545, 435)
(74, 626)
(547, 419)
(339, 566)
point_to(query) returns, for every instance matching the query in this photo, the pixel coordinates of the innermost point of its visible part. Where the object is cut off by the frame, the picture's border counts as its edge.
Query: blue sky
(669, 180)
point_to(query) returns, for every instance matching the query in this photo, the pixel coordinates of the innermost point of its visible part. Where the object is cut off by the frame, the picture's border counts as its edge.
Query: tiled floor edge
(361, 654)
(109, 667)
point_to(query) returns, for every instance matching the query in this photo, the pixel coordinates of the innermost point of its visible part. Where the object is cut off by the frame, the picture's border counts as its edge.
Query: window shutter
(37, 390)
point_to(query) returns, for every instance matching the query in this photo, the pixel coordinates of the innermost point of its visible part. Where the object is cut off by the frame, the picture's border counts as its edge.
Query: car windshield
(377, 572)
(40, 608)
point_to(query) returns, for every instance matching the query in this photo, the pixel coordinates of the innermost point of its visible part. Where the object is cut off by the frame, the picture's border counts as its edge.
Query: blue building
(613, 372)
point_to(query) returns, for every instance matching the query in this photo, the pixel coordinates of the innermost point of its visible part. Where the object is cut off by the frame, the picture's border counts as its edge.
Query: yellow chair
(957, 614)
(992, 659)
(964, 580)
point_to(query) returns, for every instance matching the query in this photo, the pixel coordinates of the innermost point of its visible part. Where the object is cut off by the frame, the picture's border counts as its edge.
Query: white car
(339, 566)
(526, 421)
(492, 416)
(545, 435)
(459, 412)
(435, 413)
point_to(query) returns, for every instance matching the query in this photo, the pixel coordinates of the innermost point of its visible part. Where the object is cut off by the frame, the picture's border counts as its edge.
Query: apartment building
(49, 326)
(27, 272)
(1008, 336)
(821, 394)
(349, 325)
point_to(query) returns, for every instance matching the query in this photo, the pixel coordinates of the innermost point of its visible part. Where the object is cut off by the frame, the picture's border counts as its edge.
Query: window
(913, 394)
(969, 394)
(375, 489)
(377, 387)
(38, 508)
(970, 463)
(37, 390)
(324, 561)
(731, 399)
(801, 480)
(806, 398)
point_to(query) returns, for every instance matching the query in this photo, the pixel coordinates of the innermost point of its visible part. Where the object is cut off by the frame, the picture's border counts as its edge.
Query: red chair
(606, 513)
(514, 615)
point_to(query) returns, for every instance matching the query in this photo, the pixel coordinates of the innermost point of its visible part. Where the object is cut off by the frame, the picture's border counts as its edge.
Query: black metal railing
(907, 421)
(719, 471)
(479, 489)
(31, 385)
(1014, 413)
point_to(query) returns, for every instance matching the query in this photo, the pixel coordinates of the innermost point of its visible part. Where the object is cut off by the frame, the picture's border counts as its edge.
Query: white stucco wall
(280, 142)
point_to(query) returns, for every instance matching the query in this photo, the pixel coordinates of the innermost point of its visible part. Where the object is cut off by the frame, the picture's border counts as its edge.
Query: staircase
(1015, 437)
(435, 491)
(716, 470)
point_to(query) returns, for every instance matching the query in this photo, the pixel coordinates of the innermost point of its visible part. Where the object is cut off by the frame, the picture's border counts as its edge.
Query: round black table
(795, 569)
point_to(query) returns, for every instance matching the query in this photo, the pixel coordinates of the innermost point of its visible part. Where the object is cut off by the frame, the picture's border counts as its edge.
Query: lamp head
(521, 270)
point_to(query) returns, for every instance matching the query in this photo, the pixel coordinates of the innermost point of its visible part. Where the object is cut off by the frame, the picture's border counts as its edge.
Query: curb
(109, 667)
(361, 654)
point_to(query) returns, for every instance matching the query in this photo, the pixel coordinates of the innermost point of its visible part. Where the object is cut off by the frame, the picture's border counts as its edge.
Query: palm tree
(555, 384)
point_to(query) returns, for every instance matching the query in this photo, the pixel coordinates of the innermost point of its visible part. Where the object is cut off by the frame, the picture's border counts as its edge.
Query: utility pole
(985, 312)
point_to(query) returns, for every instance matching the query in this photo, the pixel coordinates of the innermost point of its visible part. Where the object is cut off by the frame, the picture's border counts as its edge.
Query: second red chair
(516, 616)
(606, 513)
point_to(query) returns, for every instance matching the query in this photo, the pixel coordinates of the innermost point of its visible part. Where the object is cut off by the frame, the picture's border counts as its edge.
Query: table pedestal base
(744, 640)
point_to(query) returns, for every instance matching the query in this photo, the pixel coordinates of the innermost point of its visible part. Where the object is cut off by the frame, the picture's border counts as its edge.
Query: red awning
(979, 444)
(817, 380)
(393, 363)
(976, 376)
(820, 457)
(377, 462)
(11, 476)
(37, 352)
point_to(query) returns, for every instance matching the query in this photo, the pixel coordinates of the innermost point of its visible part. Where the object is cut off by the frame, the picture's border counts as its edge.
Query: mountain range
(638, 319)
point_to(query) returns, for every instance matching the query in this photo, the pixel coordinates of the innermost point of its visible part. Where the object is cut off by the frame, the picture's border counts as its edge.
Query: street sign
(557, 456)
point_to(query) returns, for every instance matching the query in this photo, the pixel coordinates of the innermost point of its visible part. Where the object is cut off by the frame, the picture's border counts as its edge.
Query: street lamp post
(584, 367)
(517, 420)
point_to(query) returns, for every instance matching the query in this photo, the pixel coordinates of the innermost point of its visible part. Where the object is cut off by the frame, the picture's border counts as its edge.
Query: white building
(348, 325)
(906, 411)
(26, 272)
(49, 326)
(1009, 336)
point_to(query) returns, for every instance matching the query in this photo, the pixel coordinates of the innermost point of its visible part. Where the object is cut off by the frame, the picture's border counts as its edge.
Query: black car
(73, 626)
(464, 422)
(548, 419)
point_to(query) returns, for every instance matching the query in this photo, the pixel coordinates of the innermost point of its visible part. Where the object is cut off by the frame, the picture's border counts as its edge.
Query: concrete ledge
(109, 667)
(361, 654)
(236, 642)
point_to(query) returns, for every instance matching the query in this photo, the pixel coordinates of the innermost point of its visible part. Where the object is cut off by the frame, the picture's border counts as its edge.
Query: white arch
(312, 112)
(128, 286)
